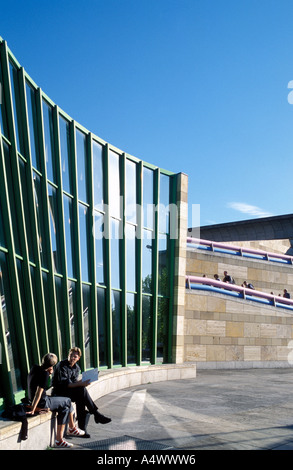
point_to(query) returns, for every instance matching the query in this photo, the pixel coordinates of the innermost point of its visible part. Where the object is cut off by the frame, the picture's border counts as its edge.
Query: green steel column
(39, 301)
(66, 337)
(123, 255)
(155, 266)
(139, 236)
(31, 320)
(79, 303)
(92, 255)
(108, 261)
(51, 306)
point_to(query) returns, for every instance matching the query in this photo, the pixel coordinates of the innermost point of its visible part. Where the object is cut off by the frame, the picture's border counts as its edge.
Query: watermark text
(108, 220)
(290, 95)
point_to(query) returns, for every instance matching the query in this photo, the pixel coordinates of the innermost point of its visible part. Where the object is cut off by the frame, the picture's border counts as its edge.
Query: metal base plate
(124, 443)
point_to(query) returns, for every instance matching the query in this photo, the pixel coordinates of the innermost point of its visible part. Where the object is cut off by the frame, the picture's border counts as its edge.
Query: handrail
(241, 251)
(244, 292)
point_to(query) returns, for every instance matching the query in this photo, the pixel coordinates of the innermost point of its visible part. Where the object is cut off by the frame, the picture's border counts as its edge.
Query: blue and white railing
(238, 251)
(207, 284)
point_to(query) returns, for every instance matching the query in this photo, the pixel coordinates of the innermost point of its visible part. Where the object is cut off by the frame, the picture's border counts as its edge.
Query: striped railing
(238, 251)
(207, 284)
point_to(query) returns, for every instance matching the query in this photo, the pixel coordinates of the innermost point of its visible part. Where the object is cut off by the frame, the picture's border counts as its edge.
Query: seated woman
(37, 385)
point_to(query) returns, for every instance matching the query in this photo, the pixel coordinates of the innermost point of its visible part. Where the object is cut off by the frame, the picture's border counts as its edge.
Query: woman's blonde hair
(49, 360)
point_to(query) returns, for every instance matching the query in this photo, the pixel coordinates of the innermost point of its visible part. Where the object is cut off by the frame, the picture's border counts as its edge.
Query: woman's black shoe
(99, 418)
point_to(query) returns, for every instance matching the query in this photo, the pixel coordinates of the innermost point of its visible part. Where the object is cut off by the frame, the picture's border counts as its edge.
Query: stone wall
(266, 276)
(223, 331)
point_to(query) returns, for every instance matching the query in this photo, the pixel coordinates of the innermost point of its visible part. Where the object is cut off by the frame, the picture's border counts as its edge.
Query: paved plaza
(218, 410)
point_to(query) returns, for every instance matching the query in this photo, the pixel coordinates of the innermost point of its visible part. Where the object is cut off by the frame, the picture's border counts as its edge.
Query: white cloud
(248, 209)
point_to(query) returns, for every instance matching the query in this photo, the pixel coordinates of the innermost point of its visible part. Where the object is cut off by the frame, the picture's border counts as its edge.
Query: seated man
(37, 385)
(66, 383)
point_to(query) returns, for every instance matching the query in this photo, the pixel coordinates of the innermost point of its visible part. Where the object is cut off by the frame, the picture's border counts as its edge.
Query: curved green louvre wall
(86, 257)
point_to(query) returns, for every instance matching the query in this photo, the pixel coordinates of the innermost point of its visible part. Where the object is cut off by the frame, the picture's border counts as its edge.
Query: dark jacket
(63, 376)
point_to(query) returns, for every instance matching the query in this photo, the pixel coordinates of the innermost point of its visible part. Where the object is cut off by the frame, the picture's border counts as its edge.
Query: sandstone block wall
(228, 332)
(266, 276)
(222, 331)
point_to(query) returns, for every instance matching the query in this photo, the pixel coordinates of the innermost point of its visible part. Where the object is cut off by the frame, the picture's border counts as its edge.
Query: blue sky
(193, 86)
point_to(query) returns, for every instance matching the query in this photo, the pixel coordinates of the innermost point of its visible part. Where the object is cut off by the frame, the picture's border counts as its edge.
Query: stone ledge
(41, 428)
(230, 365)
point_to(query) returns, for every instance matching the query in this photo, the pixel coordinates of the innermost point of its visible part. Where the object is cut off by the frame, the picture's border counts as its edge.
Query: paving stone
(249, 409)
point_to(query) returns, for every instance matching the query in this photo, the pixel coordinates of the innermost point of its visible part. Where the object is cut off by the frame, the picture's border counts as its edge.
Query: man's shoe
(99, 418)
